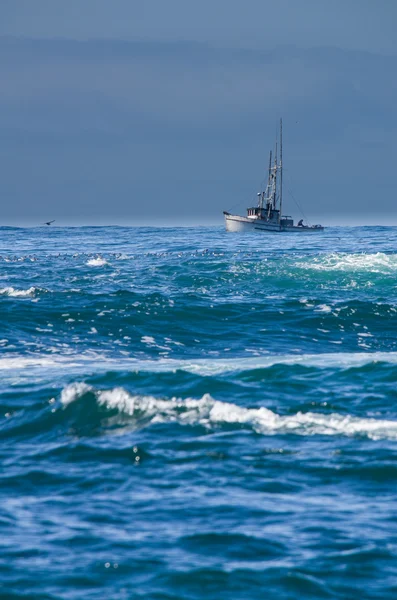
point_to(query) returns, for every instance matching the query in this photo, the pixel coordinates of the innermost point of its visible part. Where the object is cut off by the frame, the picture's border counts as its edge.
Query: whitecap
(151, 342)
(96, 262)
(323, 308)
(10, 291)
(74, 391)
(372, 263)
(199, 366)
(209, 412)
(148, 339)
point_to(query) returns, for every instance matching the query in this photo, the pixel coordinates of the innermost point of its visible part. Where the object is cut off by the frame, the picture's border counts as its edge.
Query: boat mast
(269, 178)
(275, 179)
(266, 192)
(281, 168)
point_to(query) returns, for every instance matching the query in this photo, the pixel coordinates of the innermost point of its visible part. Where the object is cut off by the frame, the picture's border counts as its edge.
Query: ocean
(187, 414)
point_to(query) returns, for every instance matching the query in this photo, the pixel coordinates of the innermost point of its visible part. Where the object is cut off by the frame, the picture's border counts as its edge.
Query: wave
(97, 262)
(10, 291)
(199, 366)
(372, 263)
(209, 412)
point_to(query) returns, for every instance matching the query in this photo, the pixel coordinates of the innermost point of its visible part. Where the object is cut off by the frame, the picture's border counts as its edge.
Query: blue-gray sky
(163, 112)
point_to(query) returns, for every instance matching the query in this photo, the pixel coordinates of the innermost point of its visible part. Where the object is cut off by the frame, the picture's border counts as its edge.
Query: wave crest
(338, 261)
(97, 262)
(10, 291)
(209, 412)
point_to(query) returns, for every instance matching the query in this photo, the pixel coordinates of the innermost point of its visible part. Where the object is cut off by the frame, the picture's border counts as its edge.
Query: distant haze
(150, 113)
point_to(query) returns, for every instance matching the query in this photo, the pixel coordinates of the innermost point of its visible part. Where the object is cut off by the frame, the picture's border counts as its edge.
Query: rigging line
(242, 202)
(239, 203)
(251, 199)
(296, 201)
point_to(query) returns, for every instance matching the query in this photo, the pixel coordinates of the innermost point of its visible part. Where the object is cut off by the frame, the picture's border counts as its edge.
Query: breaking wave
(10, 291)
(97, 262)
(209, 412)
(100, 363)
(200, 366)
(372, 263)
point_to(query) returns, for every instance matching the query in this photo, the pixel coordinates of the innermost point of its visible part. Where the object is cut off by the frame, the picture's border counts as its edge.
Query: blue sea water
(186, 413)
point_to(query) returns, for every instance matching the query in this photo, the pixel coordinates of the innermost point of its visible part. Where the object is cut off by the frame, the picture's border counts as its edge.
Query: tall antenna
(281, 168)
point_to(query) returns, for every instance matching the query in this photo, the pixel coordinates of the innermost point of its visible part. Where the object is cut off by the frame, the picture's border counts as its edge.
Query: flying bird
(49, 222)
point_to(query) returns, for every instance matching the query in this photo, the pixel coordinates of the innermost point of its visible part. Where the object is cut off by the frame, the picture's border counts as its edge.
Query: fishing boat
(267, 215)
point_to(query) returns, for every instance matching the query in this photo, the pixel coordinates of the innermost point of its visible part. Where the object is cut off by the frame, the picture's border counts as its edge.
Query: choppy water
(186, 413)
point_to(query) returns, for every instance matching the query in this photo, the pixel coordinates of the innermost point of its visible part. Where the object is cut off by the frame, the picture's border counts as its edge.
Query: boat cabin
(287, 222)
(255, 212)
(268, 213)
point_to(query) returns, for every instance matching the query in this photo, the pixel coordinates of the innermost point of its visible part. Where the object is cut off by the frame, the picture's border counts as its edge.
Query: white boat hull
(236, 224)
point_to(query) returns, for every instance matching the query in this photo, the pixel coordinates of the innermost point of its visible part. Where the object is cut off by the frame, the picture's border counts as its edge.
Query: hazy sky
(163, 112)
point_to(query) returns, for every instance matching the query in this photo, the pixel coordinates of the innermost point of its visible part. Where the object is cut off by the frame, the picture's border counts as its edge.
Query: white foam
(203, 366)
(72, 392)
(209, 413)
(10, 291)
(323, 308)
(151, 342)
(372, 263)
(97, 262)
(27, 364)
(148, 339)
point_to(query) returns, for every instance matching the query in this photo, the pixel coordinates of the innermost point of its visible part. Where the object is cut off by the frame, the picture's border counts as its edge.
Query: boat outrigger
(267, 216)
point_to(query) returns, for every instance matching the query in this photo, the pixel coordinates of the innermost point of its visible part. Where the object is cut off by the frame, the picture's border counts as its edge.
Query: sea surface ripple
(186, 413)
